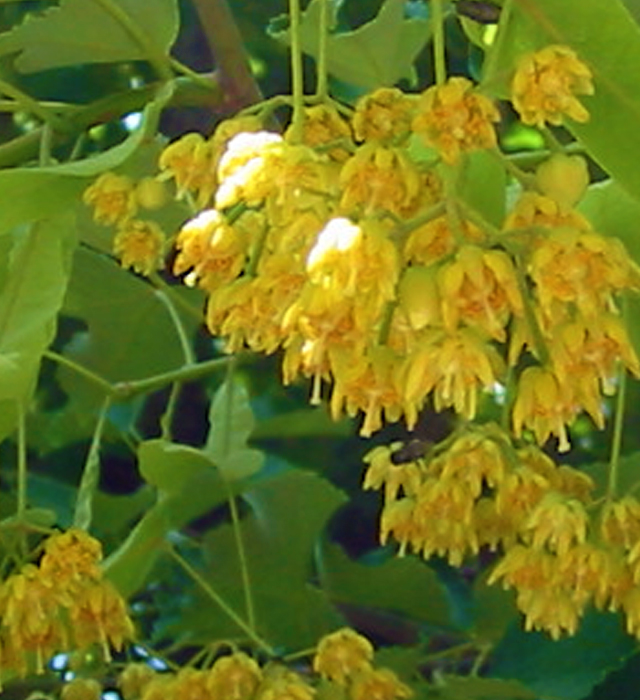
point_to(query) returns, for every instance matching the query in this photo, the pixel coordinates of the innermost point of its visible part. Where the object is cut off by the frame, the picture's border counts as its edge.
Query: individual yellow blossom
(397, 521)
(454, 118)
(620, 522)
(140, 245)
(81, 689)
(342, 654)
(435, 240)
(419, 297)
(289, 686)
(29, 618)
(524, 568)
(162, 687)
(380, 178)
(322, 128)
(479, 287)
(369, 384)
(557, 523)
(187, 684)
(573, 483)
(533, 210)
(550, 610)
(631, 608)
(543, 406)
(112, 198)
(134, 679)
(519, 493)
(212, 249)
(70, 557)
(382, 471)
(234, 677)
(585, 571)
(546, 83)
(190, 162)
(492, 528)
(455, 367)
(98, 615)
(384, 115)
(378, 684)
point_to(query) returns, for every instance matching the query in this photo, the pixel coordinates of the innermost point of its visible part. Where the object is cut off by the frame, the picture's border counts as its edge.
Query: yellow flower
(519, 493)
(378, 684)
(557, 523)
(342, 654)
(620, 522)
(289, 686)
(70, 557)
(455, 119)
(112, 198)
(380, 178)
(397, 520)
(550, 610)
(384, 115)
(435, 240)
(545, 85)
(479, 287)
(543, 406)
(214, 250)
(536, 210)
(81, 689)
(140, 245)
(190, 162)
(524, 568)
(134, 679)
(492, 529)
(323, 127)
(234, 677)
(405, 477)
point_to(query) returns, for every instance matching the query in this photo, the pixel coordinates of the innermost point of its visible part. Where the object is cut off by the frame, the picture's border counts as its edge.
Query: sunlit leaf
(86, 31)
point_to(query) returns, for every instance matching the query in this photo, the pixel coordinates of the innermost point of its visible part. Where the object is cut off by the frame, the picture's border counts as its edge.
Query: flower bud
(151, 193)
(563, 178)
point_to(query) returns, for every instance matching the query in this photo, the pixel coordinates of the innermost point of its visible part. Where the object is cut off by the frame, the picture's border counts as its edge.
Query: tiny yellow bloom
(546, 83)
(342, 654)
(236, 676)
(140, 245)
(378, 684)
(384, 115)
(112, 198)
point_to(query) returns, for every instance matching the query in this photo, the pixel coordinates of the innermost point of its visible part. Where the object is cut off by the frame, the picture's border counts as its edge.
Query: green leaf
(30, 299)
(86, 31)
(494, 609)
(231, 424)
(380, 52)
(288, 515)
(477, 688)
(401, 585)
(483, 186)
(593, 30)
(58, 188)
(566, 669)
(188, 487)
(302, 423)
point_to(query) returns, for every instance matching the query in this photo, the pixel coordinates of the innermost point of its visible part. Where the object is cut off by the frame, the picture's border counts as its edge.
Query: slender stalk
(94, 378)
(204, 80)
(166, 420)
(31, 106)
(297, 77)
(22, 464)
(322, 91)
(91, 473)
(44, 156)
(616, 440)
(187, 351)
(220, 602)
(154, 55)
(233, 506)
(527, 180)
(439, 52)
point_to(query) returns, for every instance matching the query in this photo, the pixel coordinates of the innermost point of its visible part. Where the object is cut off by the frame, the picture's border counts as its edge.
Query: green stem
(220, 602)
(297, 78)
(322, 91)
(94, 378)
(166, 420)
(31, 106)
(233, 506)
(44, 156)
(527, 180)
(91, 473)
(203, 80)
(22, 464)
(155, 56)
(439, 51)
(187, 351)
(616, 440)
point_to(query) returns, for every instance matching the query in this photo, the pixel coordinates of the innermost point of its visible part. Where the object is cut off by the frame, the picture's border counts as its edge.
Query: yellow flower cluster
(59, 605)
(343, 658)
(138, 243)
(560, 550)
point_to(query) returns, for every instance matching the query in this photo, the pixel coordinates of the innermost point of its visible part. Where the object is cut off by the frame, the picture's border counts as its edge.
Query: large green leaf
(288, 514)
(566, 669)
(605, 36)
(401, 585)
(31, 296)
(86, 31)
(378, 53)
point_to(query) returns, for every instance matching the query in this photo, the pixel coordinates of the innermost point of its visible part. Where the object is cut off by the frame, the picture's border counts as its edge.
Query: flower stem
(220, 602)
(94, 378)
(439, 53)
(297, 77)
(616, 441)
(322, 91)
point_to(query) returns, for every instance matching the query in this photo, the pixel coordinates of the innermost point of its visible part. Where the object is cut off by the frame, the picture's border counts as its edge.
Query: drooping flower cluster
(344, 659)
(559, 549)
(59, 605)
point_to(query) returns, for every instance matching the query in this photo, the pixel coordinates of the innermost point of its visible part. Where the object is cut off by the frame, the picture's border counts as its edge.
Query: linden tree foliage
(405, 262)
